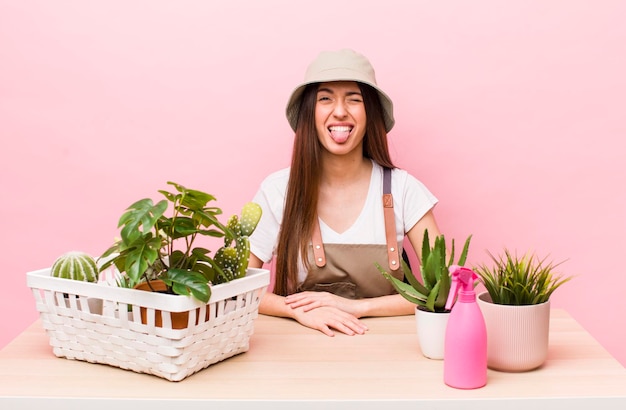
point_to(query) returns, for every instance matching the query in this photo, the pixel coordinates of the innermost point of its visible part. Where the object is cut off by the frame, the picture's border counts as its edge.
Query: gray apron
(349, 270)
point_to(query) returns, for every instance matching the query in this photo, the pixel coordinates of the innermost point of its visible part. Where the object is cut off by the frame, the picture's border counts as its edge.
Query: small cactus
(226, 258)
(75, 265)
(234, 260)
(250, 217)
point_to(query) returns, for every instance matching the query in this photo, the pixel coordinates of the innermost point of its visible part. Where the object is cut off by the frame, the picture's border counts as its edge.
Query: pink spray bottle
(465, 353)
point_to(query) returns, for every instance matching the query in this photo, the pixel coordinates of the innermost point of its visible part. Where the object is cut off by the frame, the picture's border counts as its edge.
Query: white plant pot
(517, 336)
(431, 332)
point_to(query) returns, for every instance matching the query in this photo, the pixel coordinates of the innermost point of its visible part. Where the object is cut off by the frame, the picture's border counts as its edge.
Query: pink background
(512, 112)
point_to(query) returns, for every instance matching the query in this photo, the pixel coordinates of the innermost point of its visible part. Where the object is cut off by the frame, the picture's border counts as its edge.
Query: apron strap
(390, 229)
(318, 246)
(390, 221)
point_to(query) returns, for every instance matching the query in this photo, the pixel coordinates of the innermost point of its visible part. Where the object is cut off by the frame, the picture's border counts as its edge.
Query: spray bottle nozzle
(463, 276)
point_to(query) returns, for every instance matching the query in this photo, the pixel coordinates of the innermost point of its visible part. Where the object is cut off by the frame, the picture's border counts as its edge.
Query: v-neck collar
(371, 194)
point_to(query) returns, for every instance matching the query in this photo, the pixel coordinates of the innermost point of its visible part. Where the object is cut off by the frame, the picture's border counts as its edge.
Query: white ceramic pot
(431, 332)
(517, 336)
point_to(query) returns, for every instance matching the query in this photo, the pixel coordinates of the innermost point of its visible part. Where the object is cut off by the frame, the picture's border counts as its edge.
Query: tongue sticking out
(340, 136)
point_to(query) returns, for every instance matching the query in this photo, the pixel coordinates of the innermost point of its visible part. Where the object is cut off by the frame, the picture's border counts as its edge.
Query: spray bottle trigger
(462, 279)
(454, 285)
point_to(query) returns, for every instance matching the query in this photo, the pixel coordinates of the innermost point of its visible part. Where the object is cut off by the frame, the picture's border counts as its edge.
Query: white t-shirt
(411, 201)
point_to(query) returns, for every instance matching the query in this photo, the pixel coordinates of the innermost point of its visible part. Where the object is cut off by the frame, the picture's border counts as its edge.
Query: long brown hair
(304, 179)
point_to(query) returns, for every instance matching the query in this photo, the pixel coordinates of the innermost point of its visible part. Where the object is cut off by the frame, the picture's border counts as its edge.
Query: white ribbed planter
(517, 336)
(431, 332)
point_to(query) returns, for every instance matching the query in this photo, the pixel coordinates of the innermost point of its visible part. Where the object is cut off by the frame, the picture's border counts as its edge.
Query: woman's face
(340, 117)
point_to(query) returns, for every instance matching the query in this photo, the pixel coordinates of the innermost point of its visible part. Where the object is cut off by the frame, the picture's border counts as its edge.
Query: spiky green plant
(432, 292)
(156, 246)
(525, 280)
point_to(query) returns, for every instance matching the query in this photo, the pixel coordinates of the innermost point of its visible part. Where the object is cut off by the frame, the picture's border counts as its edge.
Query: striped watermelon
(75, 265)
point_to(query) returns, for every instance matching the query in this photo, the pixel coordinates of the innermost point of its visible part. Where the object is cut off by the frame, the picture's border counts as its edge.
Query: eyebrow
(328, 90)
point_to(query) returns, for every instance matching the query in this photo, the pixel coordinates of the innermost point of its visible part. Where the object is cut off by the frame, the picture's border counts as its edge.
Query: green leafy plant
(525, 280)
(432, 292)
(156, 246)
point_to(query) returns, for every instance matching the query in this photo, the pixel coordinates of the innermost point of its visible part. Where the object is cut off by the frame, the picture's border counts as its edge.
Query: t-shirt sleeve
(416, 202)
(270, 197)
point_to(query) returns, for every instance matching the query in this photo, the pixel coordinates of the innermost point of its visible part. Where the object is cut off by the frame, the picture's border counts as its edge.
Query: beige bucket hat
(342, 65)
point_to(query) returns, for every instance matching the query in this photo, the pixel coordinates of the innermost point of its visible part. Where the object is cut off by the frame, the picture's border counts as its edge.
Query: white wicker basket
(101, 323)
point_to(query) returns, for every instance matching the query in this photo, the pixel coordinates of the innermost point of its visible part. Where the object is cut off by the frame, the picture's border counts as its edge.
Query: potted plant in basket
(516, 307)
(160, 253)
(217, 294)
(430, 295)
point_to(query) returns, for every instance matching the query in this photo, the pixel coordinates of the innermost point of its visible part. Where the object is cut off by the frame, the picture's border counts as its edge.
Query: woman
(342, 203)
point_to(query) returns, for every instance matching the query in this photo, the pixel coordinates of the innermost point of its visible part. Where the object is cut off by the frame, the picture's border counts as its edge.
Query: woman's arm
(324, 319)
(297, 305)
(271, 304)
(390, 305)
(416, 234)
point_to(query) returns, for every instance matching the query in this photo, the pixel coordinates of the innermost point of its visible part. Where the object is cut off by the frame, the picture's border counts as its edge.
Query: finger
(356, 325)
(298, 303)
(305, 305)
(349, 326)
(300, 295)
(310, 306)
(293, 298)
(326, 330)
(343, 328)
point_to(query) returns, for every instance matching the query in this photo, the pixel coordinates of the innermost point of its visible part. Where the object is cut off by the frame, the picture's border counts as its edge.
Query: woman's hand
(326, 318)
(312, 300)
(322, 318)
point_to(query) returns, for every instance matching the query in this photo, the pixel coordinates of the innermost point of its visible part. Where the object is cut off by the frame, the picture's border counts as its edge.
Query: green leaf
(428, 269)
(443, 290)
(184, 282)
(142, 253)
(430, 301)
(439, 256)
(425, 246)
(183, 226)
(408, 274)
(140, 218)
(407, 291)
(196, 200)
(451, 261)
(464, 253)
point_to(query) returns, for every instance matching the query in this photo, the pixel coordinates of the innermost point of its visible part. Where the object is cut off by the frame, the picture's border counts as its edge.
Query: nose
(339, 110)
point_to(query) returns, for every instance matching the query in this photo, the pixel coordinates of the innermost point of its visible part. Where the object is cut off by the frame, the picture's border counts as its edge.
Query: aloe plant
(432, 292)
(156, 246)
(520, 280)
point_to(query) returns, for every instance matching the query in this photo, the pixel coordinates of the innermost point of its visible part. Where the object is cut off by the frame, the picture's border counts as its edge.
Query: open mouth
(340, 133)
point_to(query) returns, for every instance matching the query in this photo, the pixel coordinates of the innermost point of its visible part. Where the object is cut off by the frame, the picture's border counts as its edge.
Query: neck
(342, 170)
